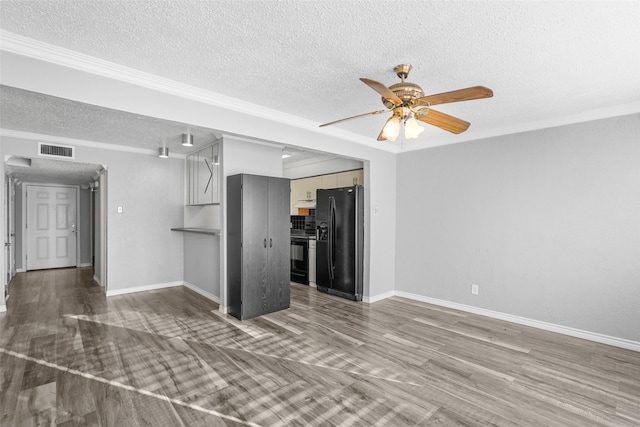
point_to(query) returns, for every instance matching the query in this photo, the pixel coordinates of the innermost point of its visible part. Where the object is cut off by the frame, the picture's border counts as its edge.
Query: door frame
(9, 234)
(25, 242)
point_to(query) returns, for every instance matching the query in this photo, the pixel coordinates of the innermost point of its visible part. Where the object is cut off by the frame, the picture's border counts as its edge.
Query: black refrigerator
(340, 241)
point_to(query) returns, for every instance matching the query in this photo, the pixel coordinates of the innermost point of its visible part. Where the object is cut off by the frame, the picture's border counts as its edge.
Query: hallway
(71, 357)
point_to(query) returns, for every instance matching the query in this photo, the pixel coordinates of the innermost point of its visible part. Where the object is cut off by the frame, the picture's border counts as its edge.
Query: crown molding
(584, 116)
(38, 50)
(31, 136)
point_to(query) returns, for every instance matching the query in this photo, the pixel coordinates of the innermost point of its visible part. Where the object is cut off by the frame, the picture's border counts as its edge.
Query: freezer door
(323, 278)
(342, 238)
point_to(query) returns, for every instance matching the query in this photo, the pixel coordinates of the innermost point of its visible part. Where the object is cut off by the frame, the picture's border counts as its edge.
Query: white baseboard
(3, 308)
(97, 280)
(202, 292)
(565, 330)
(86, 264)
(20, 270)
(153, 287)
(377, 298)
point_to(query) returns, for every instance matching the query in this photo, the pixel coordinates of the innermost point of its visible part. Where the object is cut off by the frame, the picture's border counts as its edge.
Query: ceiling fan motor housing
(406, 91)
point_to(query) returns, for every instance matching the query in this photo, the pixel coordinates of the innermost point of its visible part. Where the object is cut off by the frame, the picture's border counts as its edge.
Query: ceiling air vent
(59, 151)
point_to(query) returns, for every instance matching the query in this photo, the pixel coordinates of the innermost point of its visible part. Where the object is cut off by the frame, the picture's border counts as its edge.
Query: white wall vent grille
(59, 151)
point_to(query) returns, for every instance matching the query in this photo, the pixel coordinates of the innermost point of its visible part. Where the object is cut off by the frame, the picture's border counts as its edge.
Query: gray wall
(202, 262)
(141, 248)
(547, 223)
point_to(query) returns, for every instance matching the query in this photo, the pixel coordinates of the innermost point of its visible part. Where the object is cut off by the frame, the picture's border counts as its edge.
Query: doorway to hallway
(51, 226)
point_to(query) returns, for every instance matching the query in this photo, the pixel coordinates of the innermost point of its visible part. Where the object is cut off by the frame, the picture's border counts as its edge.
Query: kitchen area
(323, 217)
(314, 211)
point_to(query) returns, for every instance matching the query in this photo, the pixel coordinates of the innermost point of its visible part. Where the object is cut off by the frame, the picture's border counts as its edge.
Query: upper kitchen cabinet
(203, 176)
(349, 178)
(304, 189)
(328, 181)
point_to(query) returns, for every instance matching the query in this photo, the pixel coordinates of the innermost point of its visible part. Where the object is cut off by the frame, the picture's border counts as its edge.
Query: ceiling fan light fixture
(411, 128)
(391, 128)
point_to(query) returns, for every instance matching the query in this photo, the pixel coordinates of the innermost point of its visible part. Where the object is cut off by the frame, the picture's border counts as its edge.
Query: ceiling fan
(404, 100)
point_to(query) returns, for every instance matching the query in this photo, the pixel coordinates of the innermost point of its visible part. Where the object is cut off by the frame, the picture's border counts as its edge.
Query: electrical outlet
(475, 289)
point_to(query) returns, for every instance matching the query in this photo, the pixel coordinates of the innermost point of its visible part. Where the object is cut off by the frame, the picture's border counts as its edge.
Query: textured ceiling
(547, 62)
(51, 171)
(69, 119)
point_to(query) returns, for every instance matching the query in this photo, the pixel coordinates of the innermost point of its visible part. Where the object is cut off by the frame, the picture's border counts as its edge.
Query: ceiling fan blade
(475, 92)
(442, 120)
(386, 93)
(354, 117)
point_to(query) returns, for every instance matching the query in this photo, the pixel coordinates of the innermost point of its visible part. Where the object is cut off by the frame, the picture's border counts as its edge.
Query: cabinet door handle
(270, 242)
(265, 242)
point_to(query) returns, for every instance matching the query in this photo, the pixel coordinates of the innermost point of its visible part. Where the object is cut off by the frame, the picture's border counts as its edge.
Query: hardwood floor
(71, 357)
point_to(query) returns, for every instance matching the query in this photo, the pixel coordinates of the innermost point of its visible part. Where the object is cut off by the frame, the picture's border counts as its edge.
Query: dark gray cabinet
(258, 245)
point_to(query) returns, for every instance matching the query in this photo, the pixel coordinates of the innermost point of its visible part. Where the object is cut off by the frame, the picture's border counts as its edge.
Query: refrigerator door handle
(332, 237)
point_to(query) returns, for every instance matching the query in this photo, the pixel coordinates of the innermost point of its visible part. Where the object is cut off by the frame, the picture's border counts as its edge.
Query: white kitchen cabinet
(329, 181)
(350, 178)
(304, 189)
(203, 176)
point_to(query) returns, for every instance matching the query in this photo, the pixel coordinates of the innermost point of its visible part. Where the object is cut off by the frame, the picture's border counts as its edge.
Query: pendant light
(163, 152)
(187, 140)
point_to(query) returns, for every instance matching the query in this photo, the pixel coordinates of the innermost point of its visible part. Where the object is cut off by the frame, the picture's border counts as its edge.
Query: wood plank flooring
(71, 357)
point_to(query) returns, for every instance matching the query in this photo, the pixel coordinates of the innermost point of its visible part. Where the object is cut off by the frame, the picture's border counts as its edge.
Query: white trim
(143, 288)
(207, 295)
(57, 55)
(31, 136)
(551, 327)
(376, 298)
(581, 117)
(3, 308)
(85, 264)
(97, 280)
(20, 270)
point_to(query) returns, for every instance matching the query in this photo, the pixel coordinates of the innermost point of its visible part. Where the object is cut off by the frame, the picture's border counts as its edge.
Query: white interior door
(51, 227)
